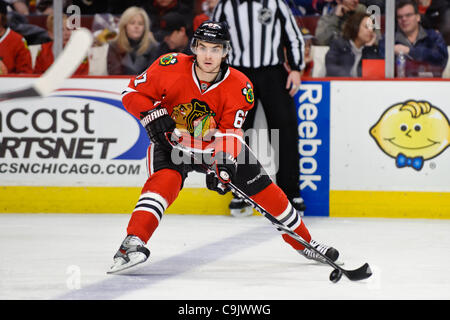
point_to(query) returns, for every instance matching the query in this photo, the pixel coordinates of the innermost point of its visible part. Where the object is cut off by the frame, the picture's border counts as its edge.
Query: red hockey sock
(159, 192)
(303, 232)
(142, 224)
(272, 199)
(277, 204)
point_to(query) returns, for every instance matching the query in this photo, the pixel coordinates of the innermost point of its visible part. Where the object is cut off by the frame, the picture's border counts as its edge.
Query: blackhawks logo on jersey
(168, 59)
(195, 116)
(248, 93)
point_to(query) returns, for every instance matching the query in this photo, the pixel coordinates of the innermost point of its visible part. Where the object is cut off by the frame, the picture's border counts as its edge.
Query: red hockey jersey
(14, 52)
(45, 59)
(195, 107)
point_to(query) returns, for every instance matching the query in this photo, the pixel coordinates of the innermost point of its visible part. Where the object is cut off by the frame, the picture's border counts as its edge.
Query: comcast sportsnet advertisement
(80, 135)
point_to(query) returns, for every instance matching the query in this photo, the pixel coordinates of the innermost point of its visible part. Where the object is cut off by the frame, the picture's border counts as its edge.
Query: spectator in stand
(324, 7)
(14, 54)
(208, 10)
(174, 36)
(379, 3)
(309, 41)
(303, 8)
(19, 6)
(18, 21)
(158, 8)
(45, 58)
(433, 13)
(330, 26)
(131, 52)
(344, 59)
(45, 7)
(425, 49)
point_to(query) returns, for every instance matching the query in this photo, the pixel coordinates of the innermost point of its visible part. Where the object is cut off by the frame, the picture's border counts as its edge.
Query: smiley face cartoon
(412, 132)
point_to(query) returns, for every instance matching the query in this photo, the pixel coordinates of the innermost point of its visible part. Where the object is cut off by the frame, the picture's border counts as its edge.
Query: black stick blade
(361, 273)
(17, 94)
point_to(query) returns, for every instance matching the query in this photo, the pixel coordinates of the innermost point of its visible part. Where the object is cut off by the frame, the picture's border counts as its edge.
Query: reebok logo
(308, 130)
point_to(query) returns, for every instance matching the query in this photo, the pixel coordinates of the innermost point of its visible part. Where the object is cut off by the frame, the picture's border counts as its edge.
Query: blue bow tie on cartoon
(403, 161)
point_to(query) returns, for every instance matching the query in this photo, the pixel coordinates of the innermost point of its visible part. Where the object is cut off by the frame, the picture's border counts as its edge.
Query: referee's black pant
(269, 85)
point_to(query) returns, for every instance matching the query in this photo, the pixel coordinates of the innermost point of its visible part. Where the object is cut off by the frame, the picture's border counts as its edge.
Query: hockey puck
(336, 275)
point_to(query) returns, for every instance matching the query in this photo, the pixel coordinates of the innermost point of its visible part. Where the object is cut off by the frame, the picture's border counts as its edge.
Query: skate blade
(338, 262)
(323, 263)
(119, 266)
(244, 212)
(320, 262)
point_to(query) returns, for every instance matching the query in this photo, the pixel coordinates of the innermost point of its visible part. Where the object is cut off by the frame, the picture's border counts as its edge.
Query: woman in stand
(130, 53)
(344, 59)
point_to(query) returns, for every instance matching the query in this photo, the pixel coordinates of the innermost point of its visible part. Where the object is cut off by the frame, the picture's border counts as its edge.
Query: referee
(263, 34)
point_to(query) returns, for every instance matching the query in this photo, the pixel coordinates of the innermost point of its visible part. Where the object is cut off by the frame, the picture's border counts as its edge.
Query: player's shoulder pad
(244, 85)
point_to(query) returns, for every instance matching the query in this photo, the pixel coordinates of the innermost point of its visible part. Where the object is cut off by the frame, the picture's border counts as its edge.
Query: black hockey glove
(225, 166)
(159, 126)
(212, 183)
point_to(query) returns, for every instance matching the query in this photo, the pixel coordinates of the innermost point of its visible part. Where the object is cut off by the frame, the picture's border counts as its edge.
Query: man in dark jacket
(425, 49)
(172, 36)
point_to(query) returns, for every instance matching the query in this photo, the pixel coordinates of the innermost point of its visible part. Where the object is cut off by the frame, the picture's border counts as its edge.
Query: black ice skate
(330, 252)
(238, 208)
(132, 251)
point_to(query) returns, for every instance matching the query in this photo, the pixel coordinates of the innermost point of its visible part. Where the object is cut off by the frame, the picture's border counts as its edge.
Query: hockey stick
(361, 273)
(64, 66)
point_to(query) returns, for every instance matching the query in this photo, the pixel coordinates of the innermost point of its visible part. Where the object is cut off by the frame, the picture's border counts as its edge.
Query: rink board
(28, 199)
(80, 151)
(15, 199)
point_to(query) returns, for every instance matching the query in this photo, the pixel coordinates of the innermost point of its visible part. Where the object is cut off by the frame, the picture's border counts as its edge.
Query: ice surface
(66, 256)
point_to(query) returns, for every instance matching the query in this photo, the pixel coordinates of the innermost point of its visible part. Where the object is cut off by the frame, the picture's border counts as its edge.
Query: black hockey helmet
(214, 32)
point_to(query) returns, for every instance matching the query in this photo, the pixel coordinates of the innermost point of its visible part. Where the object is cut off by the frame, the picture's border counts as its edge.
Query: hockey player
(203, 98)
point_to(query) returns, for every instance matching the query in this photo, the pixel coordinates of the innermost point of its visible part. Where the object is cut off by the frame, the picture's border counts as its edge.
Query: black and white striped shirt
(259, 31)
